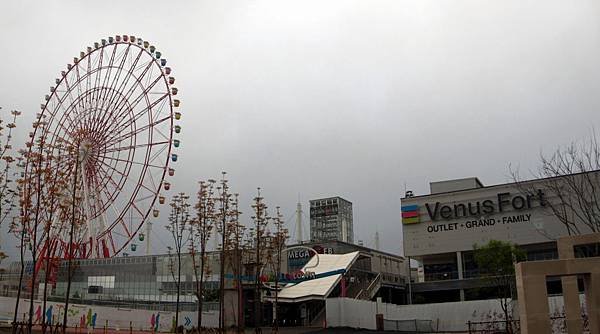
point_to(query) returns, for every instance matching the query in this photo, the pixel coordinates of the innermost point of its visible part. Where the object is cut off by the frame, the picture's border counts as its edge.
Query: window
(107, 282)
(587, 250)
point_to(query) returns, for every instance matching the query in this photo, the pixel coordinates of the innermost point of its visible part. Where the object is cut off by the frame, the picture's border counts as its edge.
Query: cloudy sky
(361, 99)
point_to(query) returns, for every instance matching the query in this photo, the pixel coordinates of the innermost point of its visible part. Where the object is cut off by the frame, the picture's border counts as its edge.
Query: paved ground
(283, 330)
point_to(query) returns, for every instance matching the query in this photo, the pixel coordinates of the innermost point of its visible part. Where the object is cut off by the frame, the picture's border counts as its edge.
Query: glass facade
(141, 280)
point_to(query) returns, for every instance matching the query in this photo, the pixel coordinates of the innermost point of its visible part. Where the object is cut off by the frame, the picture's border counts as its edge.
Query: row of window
(323, 202)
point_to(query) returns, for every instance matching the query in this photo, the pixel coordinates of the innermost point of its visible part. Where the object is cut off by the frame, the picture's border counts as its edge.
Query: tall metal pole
(299, 237)
(148, 231)
(258, 229)
(178, 235)
(224, 211)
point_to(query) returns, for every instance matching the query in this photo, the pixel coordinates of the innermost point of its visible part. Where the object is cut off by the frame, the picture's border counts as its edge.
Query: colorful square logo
(410, 214)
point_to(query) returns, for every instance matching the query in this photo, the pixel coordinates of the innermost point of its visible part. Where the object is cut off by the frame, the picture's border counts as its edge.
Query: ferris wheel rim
(164, 162)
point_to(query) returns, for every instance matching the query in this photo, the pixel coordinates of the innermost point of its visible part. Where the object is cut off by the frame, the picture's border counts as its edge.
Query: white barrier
(121, 318)
(453, 316)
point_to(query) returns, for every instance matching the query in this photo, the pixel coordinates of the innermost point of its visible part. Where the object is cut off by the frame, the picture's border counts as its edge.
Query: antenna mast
(299, 223)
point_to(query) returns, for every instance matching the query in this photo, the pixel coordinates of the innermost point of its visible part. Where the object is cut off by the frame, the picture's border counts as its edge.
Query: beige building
(441, 228)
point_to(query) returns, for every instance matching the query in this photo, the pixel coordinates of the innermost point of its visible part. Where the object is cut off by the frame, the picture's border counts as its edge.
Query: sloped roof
(318, 288)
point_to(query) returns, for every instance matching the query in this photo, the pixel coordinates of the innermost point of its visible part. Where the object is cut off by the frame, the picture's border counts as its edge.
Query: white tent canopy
(318, 288)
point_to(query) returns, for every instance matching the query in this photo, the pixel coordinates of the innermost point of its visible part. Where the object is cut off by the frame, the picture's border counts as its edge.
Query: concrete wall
(347, 312)
(116, 317)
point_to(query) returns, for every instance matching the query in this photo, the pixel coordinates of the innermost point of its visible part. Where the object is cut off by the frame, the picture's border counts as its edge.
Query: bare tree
(200, 232)
(55, 180)
(34, 190)
(223, 199)
(76, 217)
(8, 157)
(9, 187)
(179, 220)
(570, 179)
(259, 234)
(278, 240)
(235, 250)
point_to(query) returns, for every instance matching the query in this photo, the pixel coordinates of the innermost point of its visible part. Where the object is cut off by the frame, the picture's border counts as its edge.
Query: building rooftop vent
(454, 185)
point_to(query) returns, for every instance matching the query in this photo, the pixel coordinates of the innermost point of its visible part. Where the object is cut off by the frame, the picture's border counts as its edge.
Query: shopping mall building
(440, 230)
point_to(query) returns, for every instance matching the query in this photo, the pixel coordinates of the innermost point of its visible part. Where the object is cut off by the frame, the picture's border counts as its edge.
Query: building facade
(440, 230)
(331, 219)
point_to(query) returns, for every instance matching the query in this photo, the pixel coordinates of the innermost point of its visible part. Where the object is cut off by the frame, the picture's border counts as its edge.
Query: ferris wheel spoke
(115, 81)
(107, 75)
(118, 187)
(146, 91)
(60, 105)
(98, 72)
(145, 198)
(79, 86)
(160, 132)
(110, 197)
(112, 242)
(144, 94)
(133, 205)
(117, 112)
(154, 191)
(92, 89)
(125, 148)
(128, 121)
(137, 131)
(131, 68)
(160, 150)
(88, 84)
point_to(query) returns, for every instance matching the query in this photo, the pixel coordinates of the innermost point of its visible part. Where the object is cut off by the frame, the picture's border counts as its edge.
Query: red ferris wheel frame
(111, 114)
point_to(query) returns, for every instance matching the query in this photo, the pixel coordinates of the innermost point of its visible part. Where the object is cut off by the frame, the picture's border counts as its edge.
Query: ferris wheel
(109, 125)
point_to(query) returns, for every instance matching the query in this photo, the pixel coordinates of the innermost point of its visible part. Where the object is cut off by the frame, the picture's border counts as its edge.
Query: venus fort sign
(503, 202)
(455, 220)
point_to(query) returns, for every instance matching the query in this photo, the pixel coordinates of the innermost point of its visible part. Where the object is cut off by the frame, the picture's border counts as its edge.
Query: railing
(441, 276)
(557, 324)
(496, 326)
(448, 275)
(372, 288)
(411, 326)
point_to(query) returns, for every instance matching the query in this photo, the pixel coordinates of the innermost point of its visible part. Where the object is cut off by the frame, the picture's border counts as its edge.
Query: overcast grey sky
(349, 98)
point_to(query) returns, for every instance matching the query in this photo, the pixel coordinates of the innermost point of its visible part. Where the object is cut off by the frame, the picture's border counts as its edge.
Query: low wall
(347, 312)
(89, 315)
